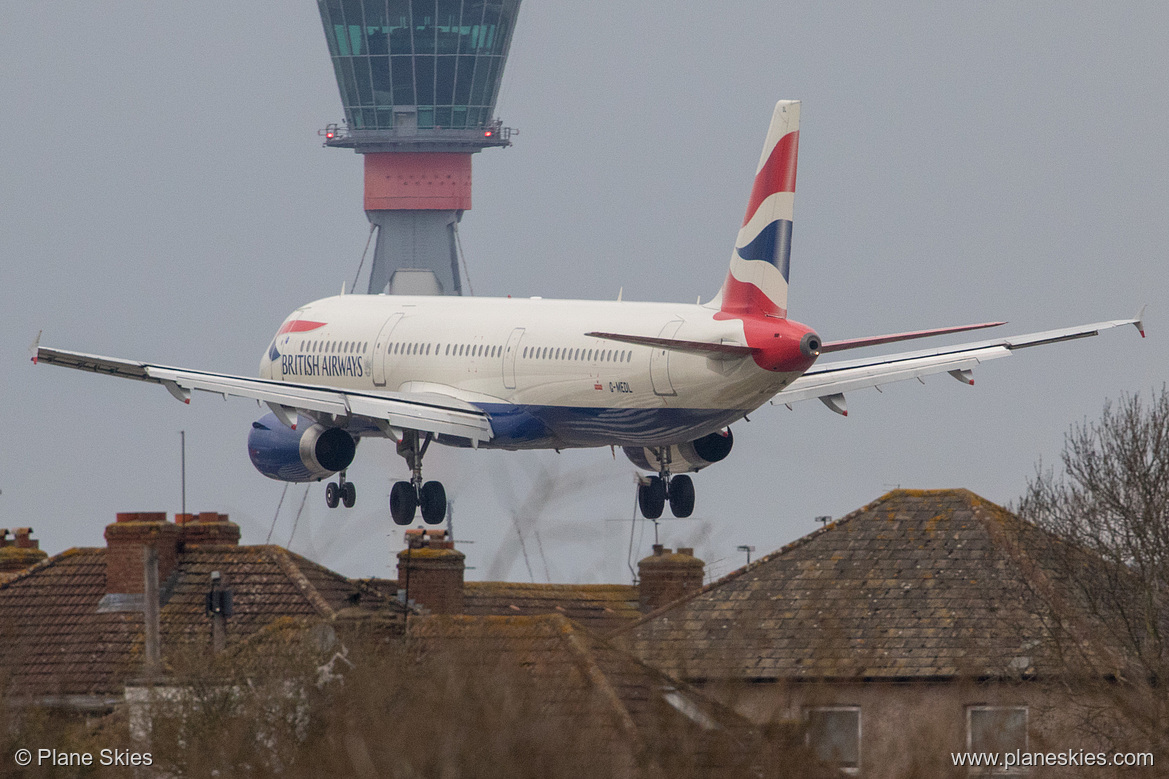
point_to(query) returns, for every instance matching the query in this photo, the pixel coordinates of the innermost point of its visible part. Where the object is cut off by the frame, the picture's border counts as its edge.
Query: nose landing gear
(340, 491)
(654, 491)
(406, 497)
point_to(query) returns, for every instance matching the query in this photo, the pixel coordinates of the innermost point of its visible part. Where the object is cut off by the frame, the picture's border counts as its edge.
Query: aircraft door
(659, 362)
(509, 354)
(380, 349)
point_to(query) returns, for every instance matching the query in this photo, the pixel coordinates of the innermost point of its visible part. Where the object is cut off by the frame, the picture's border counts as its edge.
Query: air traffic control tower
(418, 80)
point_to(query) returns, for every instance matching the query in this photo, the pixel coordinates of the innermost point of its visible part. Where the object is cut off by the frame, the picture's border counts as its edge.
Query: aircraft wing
(426, 412)
(829, 381)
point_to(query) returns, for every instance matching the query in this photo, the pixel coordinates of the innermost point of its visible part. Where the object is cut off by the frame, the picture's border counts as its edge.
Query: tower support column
(416, 199)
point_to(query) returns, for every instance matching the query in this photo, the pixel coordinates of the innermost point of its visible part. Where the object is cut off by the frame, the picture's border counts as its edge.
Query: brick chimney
(125, 541)
(430, 571)
(20, 551)
(666, 576)
(207, 528)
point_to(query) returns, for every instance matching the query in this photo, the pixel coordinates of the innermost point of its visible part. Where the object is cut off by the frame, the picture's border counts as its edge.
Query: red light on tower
(488, 133)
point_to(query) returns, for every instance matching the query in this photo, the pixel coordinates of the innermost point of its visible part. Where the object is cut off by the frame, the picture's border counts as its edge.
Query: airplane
(663, 381)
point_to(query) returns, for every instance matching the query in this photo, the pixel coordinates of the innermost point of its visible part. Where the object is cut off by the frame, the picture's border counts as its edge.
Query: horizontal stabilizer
(876, 340)
(677, 345)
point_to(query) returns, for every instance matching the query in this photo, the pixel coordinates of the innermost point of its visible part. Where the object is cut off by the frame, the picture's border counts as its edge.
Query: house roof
(609, 701)
(916, 585)
(59, 640)
(601, 608)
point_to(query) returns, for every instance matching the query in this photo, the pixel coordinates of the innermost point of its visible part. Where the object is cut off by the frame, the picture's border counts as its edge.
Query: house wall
(910, 729)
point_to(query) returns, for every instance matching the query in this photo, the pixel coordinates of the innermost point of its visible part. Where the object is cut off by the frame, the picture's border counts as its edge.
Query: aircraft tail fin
(757, 280)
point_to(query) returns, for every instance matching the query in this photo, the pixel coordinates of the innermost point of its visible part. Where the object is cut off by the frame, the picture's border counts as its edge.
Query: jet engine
(683, 458)
(309, 454)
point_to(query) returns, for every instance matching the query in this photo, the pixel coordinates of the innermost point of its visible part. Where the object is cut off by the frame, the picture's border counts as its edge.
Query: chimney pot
(21, 553)
(431, 571)
(207, 528)
(126, 541)
(664, 577)
(24, 538)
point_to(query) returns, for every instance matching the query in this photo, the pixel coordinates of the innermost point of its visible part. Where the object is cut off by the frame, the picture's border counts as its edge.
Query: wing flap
(428, 412)
(850, 379)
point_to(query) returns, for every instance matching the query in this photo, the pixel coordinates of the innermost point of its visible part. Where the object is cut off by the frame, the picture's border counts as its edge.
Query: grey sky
(165, 197)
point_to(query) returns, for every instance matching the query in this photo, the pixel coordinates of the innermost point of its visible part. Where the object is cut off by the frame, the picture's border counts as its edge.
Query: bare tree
(1108, 508)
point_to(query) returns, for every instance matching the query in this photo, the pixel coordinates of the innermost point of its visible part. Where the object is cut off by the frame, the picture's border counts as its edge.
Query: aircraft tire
(651, 497)
(433, 501)
(348, 494)
(331, 496)
(403, 503)
(681, 496)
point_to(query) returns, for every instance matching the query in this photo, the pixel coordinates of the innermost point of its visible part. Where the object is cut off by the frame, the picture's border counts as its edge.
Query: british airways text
(321, 365)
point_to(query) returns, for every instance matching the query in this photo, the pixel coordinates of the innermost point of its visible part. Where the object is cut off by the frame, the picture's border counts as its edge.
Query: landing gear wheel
(348, 494)
(651, 497)
(403, 502)
(432, 498)
(681, 496)
(331, 495)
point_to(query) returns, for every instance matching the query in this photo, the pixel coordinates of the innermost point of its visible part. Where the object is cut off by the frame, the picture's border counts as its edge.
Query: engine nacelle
(684, 458)
(309, 454)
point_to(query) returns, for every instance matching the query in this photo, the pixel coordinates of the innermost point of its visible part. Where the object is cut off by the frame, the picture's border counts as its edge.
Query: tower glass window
(439, 62)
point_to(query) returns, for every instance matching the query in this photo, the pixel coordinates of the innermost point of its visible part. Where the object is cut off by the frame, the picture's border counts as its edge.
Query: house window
(997, 729)
(834, 734)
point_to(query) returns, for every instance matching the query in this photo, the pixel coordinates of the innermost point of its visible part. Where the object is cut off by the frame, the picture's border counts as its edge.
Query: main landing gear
(406, 497)
(340, 491)
(655, 491)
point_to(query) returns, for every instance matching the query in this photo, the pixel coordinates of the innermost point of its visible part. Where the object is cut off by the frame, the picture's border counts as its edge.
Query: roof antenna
(183, 468)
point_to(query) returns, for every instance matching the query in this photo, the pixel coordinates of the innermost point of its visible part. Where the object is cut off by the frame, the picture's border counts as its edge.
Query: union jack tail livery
(757, 280)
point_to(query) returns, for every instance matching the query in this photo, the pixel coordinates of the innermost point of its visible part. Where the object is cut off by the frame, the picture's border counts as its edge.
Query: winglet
(1139, 323)
(34, 349)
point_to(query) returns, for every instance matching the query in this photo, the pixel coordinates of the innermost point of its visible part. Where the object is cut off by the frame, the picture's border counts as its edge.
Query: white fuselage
(529, 364)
